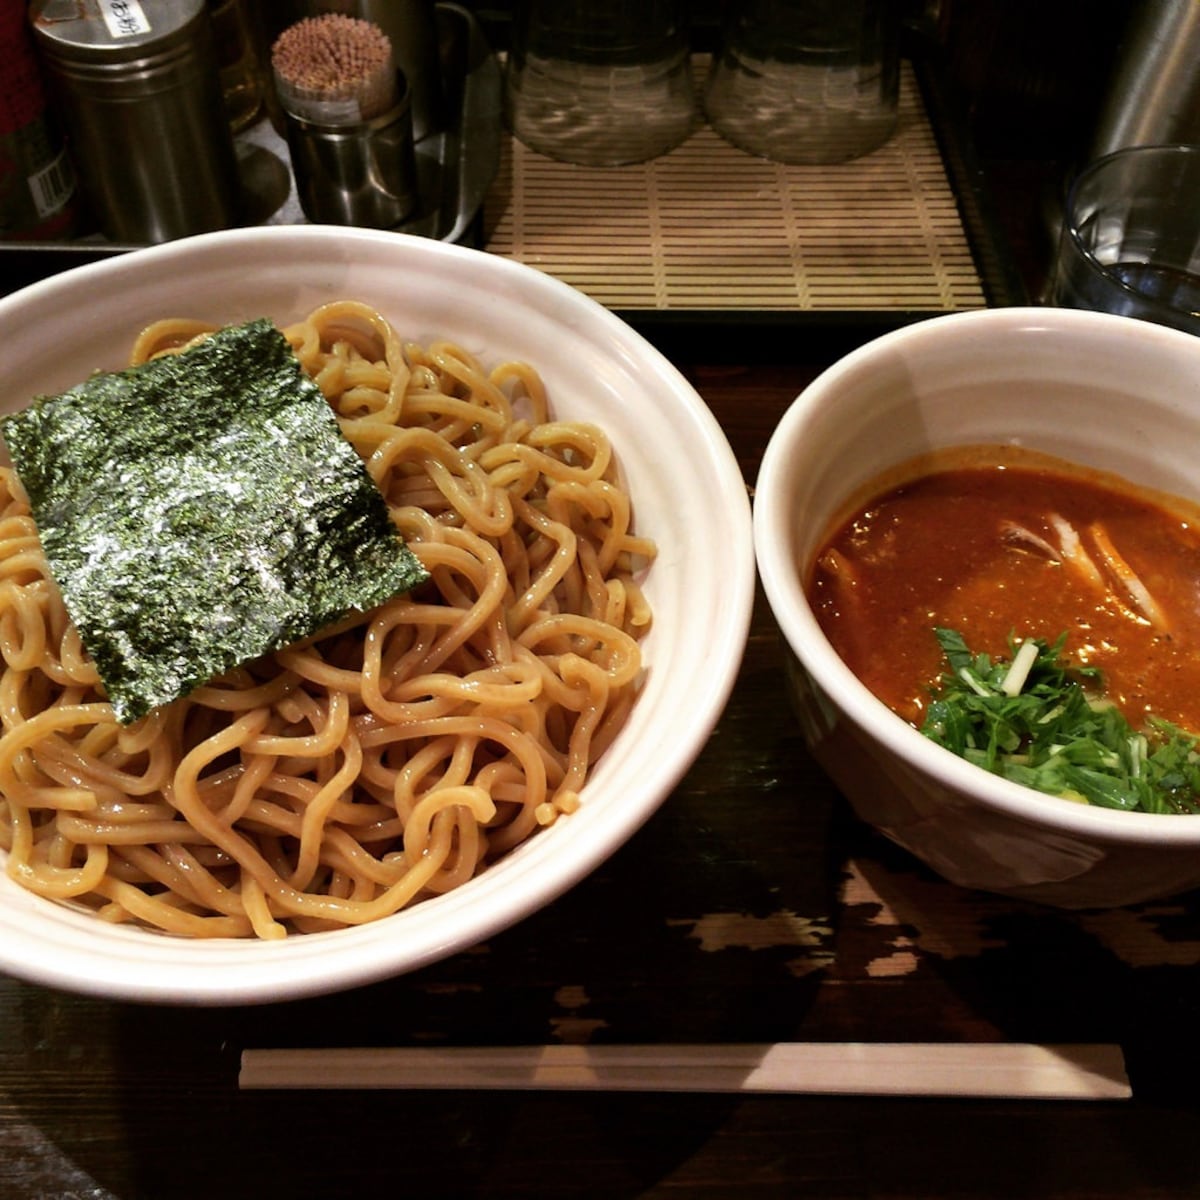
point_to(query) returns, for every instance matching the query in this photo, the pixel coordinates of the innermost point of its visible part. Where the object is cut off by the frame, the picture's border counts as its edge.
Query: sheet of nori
(201, 510)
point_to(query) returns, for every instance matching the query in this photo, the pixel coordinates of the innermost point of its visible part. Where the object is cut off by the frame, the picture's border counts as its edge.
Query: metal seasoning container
(349, 126)
(140, 96)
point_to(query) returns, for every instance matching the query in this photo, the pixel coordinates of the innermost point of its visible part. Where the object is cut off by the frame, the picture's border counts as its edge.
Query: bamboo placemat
(708, 226)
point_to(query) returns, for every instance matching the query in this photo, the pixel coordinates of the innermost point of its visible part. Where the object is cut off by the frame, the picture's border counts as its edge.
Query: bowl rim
(785, 594)
(238, 971)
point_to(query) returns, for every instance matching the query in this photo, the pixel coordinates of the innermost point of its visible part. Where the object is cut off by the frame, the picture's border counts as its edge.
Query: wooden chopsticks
(1088, 1071)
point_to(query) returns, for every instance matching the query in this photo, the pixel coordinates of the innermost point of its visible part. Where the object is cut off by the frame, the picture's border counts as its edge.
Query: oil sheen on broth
(994, 540)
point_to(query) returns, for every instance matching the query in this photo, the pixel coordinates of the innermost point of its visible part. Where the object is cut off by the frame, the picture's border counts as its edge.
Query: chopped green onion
(1040, 721)
(1022, 664)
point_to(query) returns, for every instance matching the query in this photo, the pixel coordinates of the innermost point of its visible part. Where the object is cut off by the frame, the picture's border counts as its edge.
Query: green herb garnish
(1041, 722)
(201, 510)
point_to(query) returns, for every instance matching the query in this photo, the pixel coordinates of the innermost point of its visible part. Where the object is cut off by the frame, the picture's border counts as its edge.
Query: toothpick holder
(356, 173)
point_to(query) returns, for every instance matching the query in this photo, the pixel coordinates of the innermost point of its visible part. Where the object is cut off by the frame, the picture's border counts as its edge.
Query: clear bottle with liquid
(600, 82)
(807, 81)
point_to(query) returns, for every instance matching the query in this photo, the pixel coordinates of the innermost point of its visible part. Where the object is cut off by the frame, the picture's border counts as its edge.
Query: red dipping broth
(994, 541)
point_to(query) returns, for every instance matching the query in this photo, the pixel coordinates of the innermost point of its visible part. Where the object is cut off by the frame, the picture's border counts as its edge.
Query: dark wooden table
(751, 908)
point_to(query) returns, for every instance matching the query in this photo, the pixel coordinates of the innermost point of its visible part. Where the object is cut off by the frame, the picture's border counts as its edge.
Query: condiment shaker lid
(112, 31)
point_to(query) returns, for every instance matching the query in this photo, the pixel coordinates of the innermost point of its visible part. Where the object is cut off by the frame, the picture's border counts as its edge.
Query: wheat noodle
(397, 754)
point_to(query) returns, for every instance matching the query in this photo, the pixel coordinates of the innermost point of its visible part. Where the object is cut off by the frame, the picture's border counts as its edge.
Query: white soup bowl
(1106, 392)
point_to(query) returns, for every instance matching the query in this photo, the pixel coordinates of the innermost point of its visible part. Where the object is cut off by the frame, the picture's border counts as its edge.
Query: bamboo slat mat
(708, 226)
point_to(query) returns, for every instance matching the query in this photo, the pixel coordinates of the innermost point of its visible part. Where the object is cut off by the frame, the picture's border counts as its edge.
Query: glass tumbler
(600, 82)
(1130, 238)
(807, 81)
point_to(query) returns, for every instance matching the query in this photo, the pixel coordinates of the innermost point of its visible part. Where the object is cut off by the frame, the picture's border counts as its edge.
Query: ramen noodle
(395, 755)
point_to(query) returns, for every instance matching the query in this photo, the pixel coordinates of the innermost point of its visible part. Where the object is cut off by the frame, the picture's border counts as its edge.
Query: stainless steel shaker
(137, 85)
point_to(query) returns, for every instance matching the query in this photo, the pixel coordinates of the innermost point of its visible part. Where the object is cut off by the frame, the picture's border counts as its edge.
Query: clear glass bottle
(600, 82)
(807, 81)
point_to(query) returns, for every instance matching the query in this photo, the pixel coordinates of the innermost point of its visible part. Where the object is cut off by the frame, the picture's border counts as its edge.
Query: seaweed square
(200, 510)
